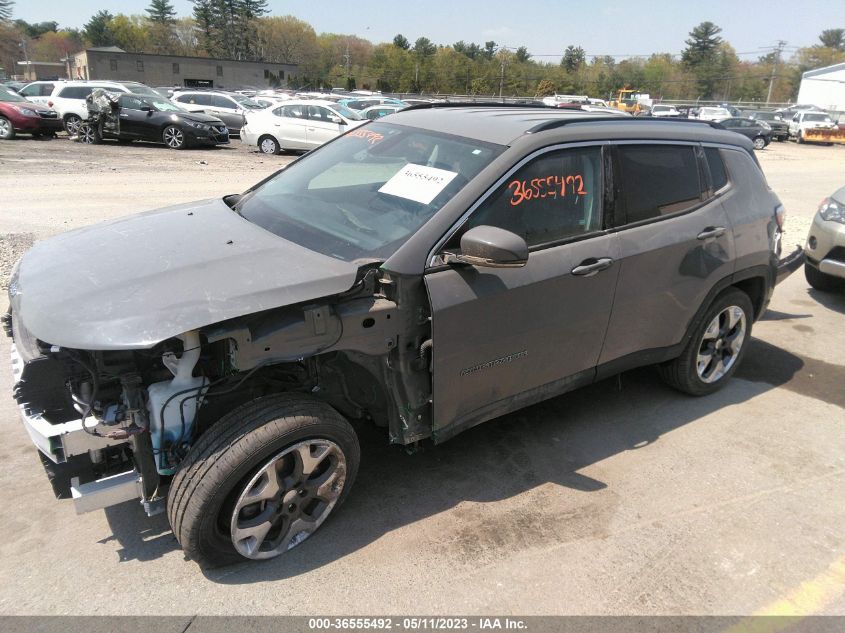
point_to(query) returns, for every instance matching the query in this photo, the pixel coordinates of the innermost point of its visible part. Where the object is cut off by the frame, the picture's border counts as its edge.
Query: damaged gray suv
(423, 273)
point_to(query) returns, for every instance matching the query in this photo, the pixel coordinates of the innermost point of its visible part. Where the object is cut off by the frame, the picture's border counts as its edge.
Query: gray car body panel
(134, 282)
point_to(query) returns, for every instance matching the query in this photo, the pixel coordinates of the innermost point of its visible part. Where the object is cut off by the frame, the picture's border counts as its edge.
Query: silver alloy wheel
(72, 124)
(288, 498)
(268, 146)
(759, 143)
(5, 128)
(86, 133)
(173, 137)
(721, 344)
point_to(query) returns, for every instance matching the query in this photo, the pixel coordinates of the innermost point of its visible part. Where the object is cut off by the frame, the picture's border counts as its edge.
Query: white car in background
(298, 125)
(713, 114)
(660, 110)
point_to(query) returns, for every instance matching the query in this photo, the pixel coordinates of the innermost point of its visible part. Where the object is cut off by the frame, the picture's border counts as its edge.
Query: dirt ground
(621, 498)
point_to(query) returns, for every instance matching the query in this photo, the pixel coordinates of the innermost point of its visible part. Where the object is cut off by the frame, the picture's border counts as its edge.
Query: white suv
(68, 97)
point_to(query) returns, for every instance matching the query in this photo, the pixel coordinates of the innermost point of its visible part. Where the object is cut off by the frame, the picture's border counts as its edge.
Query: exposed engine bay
(105, 414)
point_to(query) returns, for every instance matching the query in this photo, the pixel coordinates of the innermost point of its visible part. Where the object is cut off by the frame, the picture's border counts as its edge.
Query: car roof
(503, 125)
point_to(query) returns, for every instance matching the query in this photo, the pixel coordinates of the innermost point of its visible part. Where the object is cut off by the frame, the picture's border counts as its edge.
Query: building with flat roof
(824, 87)
(113, 63)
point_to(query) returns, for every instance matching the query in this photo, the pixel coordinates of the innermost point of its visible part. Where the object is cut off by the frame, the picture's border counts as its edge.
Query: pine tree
(96, 30)
(6, 9)
(161, 11)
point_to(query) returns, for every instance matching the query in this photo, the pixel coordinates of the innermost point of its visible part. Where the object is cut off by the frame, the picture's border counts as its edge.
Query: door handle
(591, 266)
(310, 129)
(711, 231)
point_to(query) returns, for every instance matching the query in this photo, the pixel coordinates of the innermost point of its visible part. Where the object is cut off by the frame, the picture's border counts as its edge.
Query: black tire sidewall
(207, 544)
(689, 359)
(276, 151)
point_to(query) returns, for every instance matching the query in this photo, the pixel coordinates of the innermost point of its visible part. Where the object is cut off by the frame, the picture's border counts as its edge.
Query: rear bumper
(789, 264)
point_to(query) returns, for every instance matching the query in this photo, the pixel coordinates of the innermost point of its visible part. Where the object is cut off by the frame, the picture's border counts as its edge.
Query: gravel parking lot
(621, 498)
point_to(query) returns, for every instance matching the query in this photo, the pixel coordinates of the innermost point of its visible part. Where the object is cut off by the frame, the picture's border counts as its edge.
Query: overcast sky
(545, 27)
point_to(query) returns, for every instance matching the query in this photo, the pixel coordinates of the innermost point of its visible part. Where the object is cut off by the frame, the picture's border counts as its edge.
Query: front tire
(716, 347)
(88, 134)
(262, 480)
(7, 130)
(269, 145)
(822, 281)
(759, 142)
(174, 137)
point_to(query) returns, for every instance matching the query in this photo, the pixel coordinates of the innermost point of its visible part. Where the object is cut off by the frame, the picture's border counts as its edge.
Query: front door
(506, 337)
(321, 128)
(132, 120)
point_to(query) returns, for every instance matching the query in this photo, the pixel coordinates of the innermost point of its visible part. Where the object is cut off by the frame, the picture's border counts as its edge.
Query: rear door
(675, 243)
(289, 124)
(228, 111)
(506, 337)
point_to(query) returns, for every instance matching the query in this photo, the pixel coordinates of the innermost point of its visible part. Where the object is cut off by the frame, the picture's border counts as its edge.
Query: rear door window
(76, 92)
(219, 101)
(657, 180)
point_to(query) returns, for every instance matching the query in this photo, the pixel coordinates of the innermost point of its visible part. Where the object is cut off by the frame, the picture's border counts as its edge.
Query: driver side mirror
(337, 119)
(146, 107)
(491, 247)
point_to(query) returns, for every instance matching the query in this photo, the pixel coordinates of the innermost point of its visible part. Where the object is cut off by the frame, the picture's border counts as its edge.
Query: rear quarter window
(718, 175)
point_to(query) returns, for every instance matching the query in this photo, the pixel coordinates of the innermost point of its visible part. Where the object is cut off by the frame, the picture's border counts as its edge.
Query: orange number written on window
(371, 137)
(548, 187)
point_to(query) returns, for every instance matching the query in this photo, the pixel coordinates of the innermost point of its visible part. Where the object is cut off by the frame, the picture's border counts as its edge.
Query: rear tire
(7, 130)
(822, 281)
(256, 469)
(269, 145)
(716, 347)
(72, 123)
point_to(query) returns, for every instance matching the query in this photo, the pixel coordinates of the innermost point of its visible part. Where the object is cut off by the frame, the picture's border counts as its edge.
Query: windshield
(763, 116)
(363, 195)
(10, 95)
(163, 105)
(347, 113)
(142, 89)
(245, 102)
(816, 117)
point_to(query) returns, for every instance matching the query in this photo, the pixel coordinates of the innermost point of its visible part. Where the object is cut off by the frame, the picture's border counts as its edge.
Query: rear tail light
(780, 215)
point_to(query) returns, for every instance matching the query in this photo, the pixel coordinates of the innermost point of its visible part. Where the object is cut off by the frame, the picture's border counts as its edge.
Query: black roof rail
(551, 125)
(475, 104)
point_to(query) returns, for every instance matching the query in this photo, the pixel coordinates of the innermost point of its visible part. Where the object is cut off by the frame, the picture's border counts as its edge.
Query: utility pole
(778, 51)
(347, 58)
(502, 79)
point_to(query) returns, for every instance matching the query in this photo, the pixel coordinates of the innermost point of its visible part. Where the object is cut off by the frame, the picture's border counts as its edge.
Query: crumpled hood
(134, 282)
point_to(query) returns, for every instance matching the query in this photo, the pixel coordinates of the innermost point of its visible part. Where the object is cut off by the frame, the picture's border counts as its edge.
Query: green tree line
(707, 68)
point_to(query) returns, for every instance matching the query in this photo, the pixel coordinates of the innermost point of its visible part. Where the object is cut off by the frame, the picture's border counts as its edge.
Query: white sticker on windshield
(418, 183)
